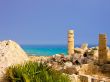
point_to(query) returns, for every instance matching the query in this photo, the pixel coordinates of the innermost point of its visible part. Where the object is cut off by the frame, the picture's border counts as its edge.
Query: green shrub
(35, 72)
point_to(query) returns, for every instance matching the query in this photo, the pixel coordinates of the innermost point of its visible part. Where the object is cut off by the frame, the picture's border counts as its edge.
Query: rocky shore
(82, 64)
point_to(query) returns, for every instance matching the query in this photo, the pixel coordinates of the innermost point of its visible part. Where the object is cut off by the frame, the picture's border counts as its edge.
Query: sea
(46, 50)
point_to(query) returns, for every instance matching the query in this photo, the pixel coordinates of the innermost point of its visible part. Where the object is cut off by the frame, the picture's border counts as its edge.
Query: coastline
(78, 64)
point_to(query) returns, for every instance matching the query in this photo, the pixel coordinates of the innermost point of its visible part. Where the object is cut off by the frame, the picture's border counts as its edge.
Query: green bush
(35, 72)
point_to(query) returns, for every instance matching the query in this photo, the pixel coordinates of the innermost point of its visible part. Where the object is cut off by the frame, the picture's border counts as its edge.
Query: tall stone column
(70, 42)
(102, 59)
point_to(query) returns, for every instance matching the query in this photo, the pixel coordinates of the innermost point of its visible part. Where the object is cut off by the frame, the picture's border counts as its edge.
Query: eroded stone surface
(10, 53)
(102, 59)
(84, 46)
(70, 42)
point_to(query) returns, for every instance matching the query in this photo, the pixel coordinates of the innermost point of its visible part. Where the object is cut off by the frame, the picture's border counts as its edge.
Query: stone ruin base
(87, 78)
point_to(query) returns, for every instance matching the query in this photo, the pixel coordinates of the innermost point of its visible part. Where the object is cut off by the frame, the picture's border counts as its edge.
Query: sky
(47, 21)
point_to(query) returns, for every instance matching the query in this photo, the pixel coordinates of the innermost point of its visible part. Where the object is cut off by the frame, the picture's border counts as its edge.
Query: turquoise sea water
(45, 50)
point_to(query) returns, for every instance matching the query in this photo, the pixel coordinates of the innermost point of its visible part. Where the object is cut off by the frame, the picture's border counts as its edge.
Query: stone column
(102, 59)
(70, 42)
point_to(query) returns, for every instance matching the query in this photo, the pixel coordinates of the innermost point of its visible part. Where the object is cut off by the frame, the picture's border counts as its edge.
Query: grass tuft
(35, 72)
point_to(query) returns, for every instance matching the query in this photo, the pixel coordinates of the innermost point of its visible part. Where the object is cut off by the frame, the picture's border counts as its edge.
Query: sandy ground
(38, 58)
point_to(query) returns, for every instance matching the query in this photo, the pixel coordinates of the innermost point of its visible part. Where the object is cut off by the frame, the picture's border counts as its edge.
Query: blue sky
(47, 21)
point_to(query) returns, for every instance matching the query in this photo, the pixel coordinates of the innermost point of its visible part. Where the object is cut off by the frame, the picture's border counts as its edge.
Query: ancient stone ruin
(84, 46)
(102, 59)
(93, 67)
(70, 42)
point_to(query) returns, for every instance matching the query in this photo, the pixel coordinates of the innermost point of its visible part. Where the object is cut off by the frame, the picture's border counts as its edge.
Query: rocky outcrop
(79, 50)
(10, 53)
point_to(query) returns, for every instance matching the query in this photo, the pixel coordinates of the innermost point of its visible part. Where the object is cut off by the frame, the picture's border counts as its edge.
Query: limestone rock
(95, 54)
(68, 64)
(108, 55)
(38, 58)
(70, 70)
(79, 50)
(74, 78)
(10, 53)
(89, 69)
(84, 46)
(106, 68)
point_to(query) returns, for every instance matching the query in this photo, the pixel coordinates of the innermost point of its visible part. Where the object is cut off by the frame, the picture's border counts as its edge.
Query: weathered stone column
(70, 42)
(102, 59)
